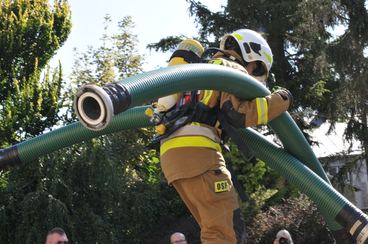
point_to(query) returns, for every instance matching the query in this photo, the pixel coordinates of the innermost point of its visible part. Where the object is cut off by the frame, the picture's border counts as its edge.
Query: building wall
(353, 178)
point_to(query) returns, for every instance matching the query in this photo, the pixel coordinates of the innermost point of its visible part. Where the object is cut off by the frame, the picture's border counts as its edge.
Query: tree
(30, 34)
(348, 57)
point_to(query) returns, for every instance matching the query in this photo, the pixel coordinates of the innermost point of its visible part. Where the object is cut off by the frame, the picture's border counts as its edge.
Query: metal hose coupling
(355, 222)
(95, 106)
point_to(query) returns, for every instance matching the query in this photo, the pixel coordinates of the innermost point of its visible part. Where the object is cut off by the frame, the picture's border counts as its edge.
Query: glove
(286, 95)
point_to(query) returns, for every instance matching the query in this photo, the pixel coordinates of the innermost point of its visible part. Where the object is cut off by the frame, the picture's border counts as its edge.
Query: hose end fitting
(95, 106)
(355, 223)
(9, 157)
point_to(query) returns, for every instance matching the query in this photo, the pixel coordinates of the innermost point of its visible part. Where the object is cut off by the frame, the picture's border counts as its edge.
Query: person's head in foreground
(56, 236)
(283, 237)
(177, 238)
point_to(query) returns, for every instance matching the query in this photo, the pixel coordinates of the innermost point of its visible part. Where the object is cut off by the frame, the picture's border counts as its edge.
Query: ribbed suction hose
(95, 106)
(147, 86)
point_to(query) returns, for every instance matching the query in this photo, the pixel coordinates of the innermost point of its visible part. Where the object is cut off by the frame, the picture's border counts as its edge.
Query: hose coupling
(355, 223)
(9, 157)
(95, 106)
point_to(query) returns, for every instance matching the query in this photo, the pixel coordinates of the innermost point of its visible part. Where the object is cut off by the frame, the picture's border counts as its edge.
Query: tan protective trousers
(214, 205)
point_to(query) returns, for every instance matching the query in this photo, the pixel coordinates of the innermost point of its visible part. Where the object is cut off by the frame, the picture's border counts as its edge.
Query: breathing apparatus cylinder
(188, 51)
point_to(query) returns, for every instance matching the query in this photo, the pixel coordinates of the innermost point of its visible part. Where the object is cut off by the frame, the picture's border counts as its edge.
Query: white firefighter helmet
(252, 45)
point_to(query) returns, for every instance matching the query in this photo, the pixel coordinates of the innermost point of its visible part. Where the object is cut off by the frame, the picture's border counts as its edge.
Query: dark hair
(232, 44)
(57, 230)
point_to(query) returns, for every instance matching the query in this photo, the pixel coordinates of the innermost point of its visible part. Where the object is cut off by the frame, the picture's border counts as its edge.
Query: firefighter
(190, 150)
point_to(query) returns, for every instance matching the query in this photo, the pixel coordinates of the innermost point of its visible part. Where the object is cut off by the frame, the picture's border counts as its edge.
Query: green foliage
(30, 34)
(326, 73)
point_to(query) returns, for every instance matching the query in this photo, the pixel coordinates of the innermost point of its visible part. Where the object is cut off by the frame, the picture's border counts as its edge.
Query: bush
(298, 215)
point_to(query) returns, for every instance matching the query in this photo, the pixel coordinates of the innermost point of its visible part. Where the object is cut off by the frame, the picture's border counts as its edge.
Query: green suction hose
(95, 106)
(66, 136)
(330, 202)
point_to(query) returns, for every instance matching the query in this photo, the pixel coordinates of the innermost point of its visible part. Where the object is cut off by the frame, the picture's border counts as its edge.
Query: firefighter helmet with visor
(253, 47)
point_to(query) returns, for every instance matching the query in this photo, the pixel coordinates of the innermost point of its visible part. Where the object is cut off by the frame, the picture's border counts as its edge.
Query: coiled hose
(95, 106)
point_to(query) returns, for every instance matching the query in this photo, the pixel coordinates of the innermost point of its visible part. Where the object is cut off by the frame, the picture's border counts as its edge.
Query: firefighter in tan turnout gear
(190, 133)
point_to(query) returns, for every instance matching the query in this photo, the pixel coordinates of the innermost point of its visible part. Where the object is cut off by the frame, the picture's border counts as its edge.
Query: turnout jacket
(195, 148)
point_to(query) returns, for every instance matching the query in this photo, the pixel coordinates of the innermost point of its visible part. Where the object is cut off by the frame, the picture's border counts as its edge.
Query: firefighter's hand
(286, 95)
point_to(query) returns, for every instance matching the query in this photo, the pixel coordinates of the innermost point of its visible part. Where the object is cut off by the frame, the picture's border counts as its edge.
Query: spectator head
(283, 237)
(178, 238)
(56, 236)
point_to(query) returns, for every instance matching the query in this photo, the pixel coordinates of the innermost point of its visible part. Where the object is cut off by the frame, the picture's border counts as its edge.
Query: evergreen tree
(326, 73)
(348, 55)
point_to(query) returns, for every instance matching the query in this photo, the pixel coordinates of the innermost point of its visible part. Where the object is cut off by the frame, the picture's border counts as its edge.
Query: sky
(154, 20)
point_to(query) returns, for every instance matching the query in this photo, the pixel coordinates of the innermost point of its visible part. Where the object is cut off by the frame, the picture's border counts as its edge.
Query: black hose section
(355, 223)
(119, 95)
(9, 157)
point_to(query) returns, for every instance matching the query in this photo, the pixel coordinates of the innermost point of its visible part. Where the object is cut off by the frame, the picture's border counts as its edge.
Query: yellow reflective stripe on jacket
(262, 110)
(189, 141)
(206, 96)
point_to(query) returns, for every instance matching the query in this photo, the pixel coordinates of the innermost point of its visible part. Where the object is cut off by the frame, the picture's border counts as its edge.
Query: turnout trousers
(213, 202)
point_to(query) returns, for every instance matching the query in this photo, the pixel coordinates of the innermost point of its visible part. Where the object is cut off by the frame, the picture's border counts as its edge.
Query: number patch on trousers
(221, 186)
